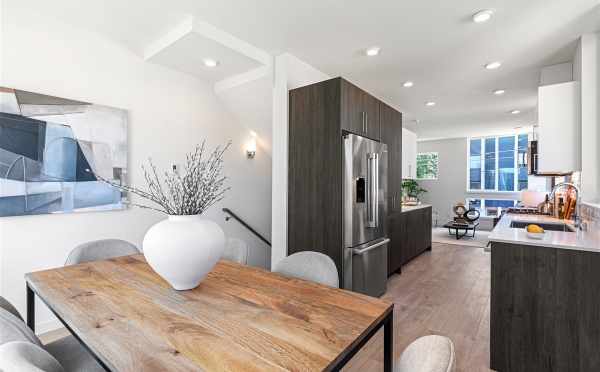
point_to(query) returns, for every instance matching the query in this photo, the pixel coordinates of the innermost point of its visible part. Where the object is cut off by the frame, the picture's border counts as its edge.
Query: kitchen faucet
(577, 216)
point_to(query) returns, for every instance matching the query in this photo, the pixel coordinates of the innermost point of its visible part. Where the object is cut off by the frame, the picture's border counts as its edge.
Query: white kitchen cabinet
(409, 154)
(559, 128)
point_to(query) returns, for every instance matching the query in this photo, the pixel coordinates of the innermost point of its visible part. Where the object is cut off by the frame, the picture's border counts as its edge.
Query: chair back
(6, 305)
(313, 266)
(431, 353)
(13, 328)
(24, 356)
(100, 250)
(236, 250)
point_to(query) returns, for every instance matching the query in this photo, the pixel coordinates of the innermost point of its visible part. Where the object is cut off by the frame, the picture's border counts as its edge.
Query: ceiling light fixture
(483, 16)
(373, 51)
(499, 92)
(493, 65)
(515, 112)
(408, 84)
(208, 62)
(430, 103)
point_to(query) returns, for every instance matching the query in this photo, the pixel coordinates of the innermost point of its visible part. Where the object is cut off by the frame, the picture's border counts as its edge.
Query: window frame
(437, 175)
(495, 190)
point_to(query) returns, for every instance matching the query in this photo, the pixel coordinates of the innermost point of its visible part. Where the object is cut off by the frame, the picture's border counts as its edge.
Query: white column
(279, 161)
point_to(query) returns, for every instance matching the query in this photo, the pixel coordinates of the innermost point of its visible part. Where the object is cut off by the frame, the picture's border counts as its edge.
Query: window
(482, 204)
(427, 166)
(498, 163)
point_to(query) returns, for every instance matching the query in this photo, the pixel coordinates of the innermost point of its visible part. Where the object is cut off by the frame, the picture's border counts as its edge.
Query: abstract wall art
(54, 151)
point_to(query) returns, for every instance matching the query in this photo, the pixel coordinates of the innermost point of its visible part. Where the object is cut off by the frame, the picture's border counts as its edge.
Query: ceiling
(187, 55)
(430, 42)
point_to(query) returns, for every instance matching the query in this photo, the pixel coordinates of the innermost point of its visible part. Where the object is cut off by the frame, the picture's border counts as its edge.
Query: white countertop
(408, 208)
(580, 240)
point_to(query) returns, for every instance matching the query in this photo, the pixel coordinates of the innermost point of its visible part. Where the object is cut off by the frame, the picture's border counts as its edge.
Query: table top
(454, 225)
(238, 318)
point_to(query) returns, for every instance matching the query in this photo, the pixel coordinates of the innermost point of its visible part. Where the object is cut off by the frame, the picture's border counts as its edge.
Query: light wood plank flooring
(445, 291)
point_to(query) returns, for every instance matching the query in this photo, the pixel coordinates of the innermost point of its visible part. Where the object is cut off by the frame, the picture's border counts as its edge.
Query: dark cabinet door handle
(364, 121)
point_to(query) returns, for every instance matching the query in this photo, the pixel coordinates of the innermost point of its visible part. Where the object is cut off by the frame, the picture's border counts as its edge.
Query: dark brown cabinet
(319, 114)
(545, 309)
(415, 233)
(394, 223)
(359, 111)
(315, 171)
(391, 135)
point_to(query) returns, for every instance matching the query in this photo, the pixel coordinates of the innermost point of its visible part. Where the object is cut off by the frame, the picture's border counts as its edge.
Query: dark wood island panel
(545, 309)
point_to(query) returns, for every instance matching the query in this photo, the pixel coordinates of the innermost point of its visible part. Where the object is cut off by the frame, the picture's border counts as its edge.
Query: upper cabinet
(359, 111)
(391, 135)
(409, 154)
(559, 128)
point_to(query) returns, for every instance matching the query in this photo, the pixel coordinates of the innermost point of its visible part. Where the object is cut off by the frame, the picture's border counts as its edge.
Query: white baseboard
(47, 326)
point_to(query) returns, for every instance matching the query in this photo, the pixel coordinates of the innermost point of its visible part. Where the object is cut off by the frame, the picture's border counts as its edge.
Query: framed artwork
(53, 152)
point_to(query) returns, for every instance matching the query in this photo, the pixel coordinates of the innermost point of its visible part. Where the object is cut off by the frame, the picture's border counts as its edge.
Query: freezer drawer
(369, 267)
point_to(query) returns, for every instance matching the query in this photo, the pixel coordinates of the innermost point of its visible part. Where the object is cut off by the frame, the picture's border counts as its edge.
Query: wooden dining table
(239, 318)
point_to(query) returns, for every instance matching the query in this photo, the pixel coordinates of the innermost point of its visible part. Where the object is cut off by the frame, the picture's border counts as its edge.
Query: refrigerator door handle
(366, 249)
(372, 190)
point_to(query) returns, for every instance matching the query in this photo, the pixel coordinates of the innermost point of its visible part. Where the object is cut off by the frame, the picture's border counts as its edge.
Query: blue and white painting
(53, 152)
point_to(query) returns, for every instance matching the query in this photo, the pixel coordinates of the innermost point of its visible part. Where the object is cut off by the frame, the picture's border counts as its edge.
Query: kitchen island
(545, 303)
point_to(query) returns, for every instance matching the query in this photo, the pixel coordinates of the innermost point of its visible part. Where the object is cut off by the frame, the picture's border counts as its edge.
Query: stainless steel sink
(558, 226)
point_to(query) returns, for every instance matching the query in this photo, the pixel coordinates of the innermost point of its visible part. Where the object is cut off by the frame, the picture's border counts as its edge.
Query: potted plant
(411, 190)
(183, 248)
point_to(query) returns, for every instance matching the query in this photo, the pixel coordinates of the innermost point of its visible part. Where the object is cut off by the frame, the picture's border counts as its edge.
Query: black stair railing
(230, 215)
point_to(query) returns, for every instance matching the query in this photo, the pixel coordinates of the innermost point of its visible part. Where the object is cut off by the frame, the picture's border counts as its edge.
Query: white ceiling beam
(211, 32)
(168, 39)
(243, 78)
(208, 31)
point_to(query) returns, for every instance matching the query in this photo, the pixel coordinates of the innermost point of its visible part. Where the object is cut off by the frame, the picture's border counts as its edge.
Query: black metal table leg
(30, 308)
(388, 343)
(387, 323)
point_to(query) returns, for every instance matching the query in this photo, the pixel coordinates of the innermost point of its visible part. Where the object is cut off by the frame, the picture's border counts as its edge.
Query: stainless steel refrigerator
(364, 210)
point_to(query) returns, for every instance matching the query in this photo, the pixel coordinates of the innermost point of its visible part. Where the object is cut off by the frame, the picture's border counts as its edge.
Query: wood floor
(446, 292)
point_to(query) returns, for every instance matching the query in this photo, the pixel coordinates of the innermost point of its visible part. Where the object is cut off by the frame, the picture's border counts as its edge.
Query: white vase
(184, 249)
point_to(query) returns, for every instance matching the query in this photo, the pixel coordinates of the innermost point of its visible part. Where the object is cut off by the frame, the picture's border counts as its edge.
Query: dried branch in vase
(192, 193)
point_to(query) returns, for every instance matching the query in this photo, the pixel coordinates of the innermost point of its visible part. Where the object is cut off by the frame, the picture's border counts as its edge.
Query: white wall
(169, 111)
(451, 185)
(290, 73)
(587, 71)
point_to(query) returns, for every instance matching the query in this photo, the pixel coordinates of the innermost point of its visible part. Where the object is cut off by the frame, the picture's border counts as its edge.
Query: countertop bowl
(537, 236)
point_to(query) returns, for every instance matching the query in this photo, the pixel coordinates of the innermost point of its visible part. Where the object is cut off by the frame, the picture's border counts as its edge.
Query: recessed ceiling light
(208, 62)
(515, 112)
(373, 51)
(408, 84)
(493, 65)
(499, 92)
(430, 103)
(483, 16)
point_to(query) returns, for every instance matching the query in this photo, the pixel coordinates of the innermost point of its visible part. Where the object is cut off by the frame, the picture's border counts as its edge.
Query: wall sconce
(251, 147)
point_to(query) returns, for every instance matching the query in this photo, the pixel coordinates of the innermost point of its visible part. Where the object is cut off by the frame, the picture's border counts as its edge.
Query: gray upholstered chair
(100, 250)
(4, 304)
(236, 250)
(431, 353)
(313, 266)
(24, 356)
(22, 350)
